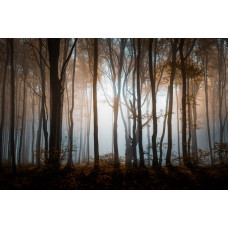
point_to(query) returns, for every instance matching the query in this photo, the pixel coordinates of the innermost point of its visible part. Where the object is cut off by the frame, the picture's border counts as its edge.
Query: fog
(120, 62)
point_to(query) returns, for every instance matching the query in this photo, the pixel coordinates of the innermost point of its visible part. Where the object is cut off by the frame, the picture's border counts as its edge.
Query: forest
(113, 113)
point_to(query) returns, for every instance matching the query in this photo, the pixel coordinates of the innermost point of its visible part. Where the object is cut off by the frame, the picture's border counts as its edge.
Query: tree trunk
(173, 71)
(207, 112)
(55, 97)
(154, 109)
(189, 118)
(96, 146)
(178, 129)
(70, 161)
(194, 129)
(12, 107)
(148, 133)
(184, 122)
(141, 153)
(88, 129)
(43, 113)
(164, 127)
(33, 125)
(23, 116)
(3, 103)
(81, 129)
(38, 137)
(127, 140)
(134, 152)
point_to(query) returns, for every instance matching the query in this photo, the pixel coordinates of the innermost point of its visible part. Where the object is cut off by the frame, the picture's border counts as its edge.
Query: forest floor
(85, 178)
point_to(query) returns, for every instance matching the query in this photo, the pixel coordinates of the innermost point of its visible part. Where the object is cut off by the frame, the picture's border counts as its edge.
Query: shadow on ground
(85, 178)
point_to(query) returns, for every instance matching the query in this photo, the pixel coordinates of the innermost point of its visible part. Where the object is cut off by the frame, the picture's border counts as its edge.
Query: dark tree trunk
(96, 146)
(172, 76)
(12, 107)
(23, 116)
(43, 113)
(38, 137)
(17, 104)
(70, 161)
(127, 140)
(164, 127)
(148, 133)
(194, 129)
(154, 110)
(141, 153)
(184, 120)
(3, 103)
(55, 97)
(134, 153)
(221, 89)
(207, 111)
(117, 98)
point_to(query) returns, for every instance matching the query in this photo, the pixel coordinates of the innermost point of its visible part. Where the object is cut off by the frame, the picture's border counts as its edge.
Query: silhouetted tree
(96, 146)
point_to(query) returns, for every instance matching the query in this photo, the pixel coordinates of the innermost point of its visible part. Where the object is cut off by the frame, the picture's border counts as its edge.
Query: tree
(116, 91)
(152, 71)
(141, 153)
(12, 107)
(184, 89)
(3, 103)
(56, 99)
(70, 161)
(23, 122)
(207, 112)
(174, 43)
(96, 146)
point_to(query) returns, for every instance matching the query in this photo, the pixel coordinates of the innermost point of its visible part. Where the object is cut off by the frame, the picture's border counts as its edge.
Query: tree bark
(3, 103)
(33, 126)
(184, 122)
(55, 97)
(38, 137)
(172, 76)
(12, 107)
(23, 122)
(152, 72)
(70, 161)
(207, 112)
(23, 118)
(178, 129)
(96, 146)
(141, 153)
(134, 152)
(164, 127)
(189, 118)
(43, 101)
(194, 129)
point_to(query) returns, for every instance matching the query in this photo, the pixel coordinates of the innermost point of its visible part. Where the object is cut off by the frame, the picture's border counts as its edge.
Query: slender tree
(172, 76)
(12, 107)
(3, 103)
(184, 89)
(152, 71)
(96, 146)
(70, 161)
(141, 153)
